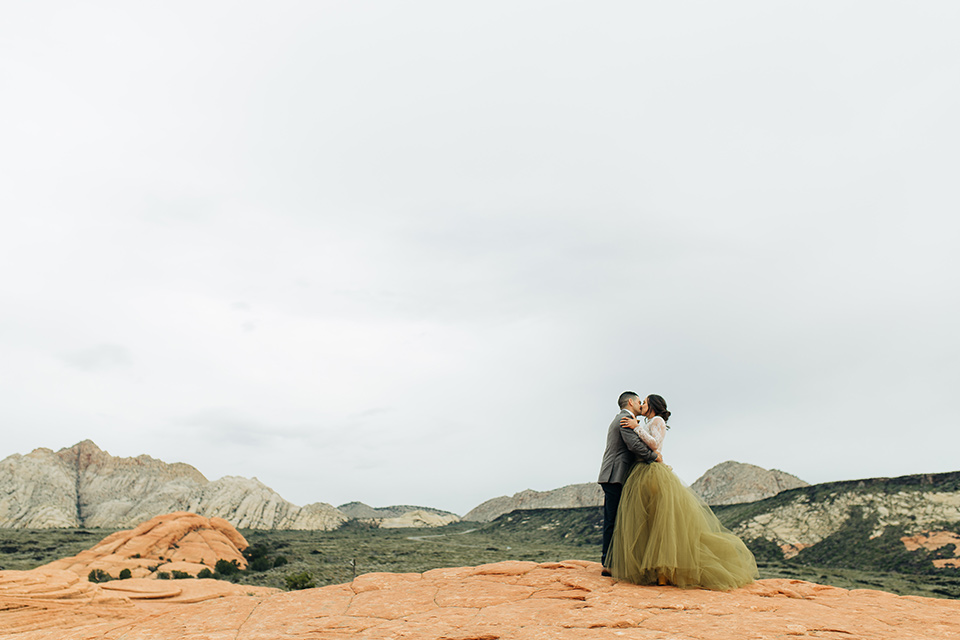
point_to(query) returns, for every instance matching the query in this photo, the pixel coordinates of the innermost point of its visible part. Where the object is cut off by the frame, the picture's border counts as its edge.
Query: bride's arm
(649, 438)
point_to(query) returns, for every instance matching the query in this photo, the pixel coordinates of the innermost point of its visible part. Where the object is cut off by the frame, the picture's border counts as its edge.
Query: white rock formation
(247, 503)
(735, 482)
(362, 511)
(37, 491)
(83, 486)
(418, 518)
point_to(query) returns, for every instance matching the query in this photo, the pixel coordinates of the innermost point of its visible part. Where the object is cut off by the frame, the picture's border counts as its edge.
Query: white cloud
(412, 254)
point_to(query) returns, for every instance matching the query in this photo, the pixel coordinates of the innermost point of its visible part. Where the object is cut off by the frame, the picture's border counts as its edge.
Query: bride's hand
(629, 423)
(659, 457)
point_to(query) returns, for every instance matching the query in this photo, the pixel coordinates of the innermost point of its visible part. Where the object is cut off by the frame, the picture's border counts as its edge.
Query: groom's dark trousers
(624, 448)
(611, 503)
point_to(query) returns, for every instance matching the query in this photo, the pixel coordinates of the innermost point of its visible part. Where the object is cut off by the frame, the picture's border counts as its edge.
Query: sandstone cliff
(83, 486)
(734, 482)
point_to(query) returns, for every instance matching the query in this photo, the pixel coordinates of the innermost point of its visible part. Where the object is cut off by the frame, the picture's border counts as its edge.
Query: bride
(665, 534)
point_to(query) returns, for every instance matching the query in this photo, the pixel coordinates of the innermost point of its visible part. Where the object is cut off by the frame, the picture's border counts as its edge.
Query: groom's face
(634, 405)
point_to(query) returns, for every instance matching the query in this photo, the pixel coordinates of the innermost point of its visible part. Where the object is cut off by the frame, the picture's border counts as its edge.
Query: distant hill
(735, 482)
(360, 510)
(571, 496)
(398, 516)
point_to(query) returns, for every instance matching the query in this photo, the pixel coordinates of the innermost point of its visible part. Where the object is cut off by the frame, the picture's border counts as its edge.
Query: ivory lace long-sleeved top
(652, 431)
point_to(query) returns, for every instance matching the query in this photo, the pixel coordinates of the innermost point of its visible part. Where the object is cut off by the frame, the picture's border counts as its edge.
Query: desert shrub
(296, 581)
(225, 568)
(279, 561)
(261, 564)
(205, 573)
(125, 574)
(163, 575)
(255, 551)
(99, 575)
(180, 575)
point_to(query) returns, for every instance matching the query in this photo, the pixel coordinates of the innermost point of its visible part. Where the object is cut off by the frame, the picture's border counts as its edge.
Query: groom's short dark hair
(625, 398)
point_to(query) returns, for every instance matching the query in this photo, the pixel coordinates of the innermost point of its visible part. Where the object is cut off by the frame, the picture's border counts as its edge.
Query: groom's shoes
(606, 572)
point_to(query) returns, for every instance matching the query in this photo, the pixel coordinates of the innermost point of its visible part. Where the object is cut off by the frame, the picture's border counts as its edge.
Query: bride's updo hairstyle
(659, 406)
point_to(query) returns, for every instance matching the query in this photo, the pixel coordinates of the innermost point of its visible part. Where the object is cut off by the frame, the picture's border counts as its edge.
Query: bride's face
(644, 407)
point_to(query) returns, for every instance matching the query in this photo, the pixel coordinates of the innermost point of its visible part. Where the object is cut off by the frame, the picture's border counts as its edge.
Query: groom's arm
(636, 446)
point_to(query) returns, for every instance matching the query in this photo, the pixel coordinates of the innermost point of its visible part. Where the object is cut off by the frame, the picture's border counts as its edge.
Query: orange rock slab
(521, 600)
(179, 541)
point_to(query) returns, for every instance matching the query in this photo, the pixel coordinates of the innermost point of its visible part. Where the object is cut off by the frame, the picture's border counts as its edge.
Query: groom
(624, 449)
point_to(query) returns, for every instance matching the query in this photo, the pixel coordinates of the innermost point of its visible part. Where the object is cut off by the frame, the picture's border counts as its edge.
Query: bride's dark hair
(659, 406)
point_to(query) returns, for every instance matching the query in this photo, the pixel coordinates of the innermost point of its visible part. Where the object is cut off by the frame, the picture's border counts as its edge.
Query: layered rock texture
(735, 482)
(416, 519)
(398, 516)
(575, 495)
(179, 541)
(819, 523)
(83, 486)
(521, 600)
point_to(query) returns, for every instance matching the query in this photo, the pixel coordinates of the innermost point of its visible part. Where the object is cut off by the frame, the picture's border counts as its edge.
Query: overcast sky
(411, 253)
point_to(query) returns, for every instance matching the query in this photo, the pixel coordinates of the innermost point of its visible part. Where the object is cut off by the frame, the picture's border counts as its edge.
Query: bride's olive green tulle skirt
(664, 529)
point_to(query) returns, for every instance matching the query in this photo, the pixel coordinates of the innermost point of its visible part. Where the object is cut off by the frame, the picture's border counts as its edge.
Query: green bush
(99, 575)
(225, 568)
(279, 561)
(260, 564)
(255, 551)
(205, 573)
(180, 575)
(297, 581)
(125, 574)
(163, 575)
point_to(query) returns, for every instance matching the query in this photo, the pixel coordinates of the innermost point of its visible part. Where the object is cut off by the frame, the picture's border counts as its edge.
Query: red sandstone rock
(178, 541)
(521, 600)
(934, 540)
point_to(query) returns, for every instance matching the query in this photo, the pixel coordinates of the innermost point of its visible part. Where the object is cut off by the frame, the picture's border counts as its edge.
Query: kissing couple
(655, 529)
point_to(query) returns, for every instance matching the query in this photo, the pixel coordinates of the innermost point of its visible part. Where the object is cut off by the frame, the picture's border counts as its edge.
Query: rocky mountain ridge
(733, 482)
(84, 486)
